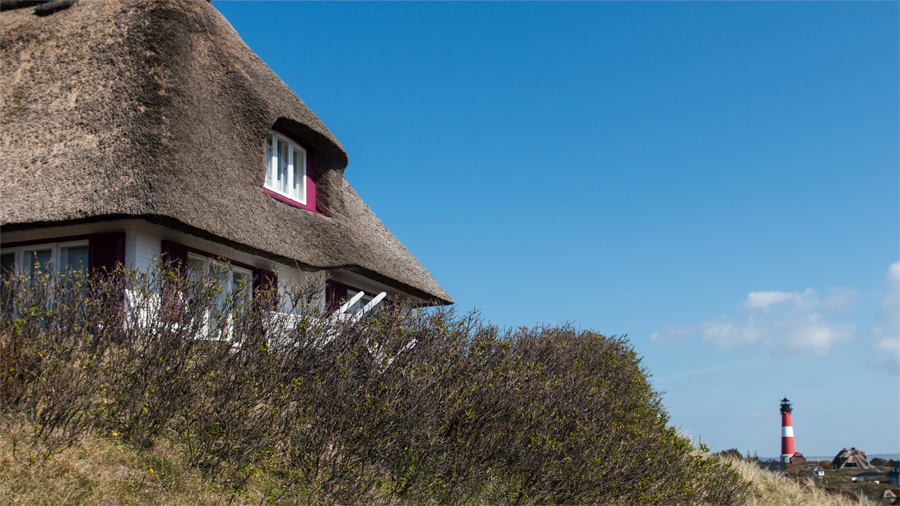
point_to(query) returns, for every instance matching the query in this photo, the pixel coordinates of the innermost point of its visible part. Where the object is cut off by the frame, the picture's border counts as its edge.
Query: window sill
(290, 202)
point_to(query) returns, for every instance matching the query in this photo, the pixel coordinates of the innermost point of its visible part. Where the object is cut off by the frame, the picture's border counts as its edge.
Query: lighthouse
(787, 431)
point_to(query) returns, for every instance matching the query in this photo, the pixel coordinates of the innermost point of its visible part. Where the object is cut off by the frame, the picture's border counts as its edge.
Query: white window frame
(295, 169)
(55, 250)
(209, 261)
(227, 288)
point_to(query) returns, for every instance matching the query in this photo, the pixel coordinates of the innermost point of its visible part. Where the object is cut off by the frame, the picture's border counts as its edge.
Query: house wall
(143, 245)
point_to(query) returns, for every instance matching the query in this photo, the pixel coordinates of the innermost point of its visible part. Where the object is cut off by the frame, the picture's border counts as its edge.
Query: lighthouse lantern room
(787, 431)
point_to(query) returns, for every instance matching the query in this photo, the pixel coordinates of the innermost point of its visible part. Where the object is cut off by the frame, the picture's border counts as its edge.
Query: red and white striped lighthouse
(787, 431)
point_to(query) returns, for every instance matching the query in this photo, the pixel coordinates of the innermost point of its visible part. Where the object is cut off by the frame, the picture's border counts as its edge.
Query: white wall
(143, 243)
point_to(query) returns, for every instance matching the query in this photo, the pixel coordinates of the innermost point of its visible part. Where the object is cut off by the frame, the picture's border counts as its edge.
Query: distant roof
(157, 109)
(851, 458)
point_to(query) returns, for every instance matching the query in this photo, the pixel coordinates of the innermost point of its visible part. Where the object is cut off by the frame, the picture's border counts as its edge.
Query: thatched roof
(156, 109)
(851, 458)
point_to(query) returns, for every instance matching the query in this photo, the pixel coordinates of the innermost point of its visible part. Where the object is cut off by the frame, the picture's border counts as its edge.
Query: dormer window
(286, 168)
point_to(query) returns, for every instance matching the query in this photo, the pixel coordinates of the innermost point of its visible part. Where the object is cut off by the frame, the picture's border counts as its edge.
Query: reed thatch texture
(157, 109)
(851, 458)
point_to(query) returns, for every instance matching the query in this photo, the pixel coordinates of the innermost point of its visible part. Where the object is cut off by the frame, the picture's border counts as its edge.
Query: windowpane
(37, 259)
(285, 167)
(270, 151)
(241, 284)
(196, 266)
(283, 154)
(358, 305)
(74, 258)
(298, 173)
(221, 274)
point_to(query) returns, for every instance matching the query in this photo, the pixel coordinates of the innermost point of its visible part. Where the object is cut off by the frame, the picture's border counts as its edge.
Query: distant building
(787, 430)
(818, 471)
(797, 458)
(894, 475)
(851, 458)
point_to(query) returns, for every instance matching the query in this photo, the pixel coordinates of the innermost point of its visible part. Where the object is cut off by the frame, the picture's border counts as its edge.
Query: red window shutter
(106, 251)
(310, 182)
(176, 255)
(265, 281)
(335, 295)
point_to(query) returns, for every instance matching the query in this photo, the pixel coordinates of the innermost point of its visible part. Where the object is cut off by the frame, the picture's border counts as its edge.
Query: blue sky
(718, 181)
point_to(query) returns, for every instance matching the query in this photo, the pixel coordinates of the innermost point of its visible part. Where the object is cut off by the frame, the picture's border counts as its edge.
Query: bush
(399, 406)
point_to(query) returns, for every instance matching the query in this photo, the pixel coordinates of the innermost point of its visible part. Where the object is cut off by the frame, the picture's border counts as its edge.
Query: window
(286, 173)
(235, 284)
(57, 256)
(62, 257)
(184, 257)
(230, 278)
(94, 252)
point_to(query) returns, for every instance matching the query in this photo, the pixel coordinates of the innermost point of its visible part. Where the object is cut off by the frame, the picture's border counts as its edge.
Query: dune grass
(104, 470)
(772, 489)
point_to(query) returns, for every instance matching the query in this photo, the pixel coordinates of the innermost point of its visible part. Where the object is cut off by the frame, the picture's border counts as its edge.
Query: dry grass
(104, 471)
(771, 489)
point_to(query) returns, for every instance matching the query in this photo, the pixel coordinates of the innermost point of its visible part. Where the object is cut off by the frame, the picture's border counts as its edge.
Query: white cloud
(891, 349)
(727, 334)
(783, 322)
(887, 332)
(670, 334)
(763, 300)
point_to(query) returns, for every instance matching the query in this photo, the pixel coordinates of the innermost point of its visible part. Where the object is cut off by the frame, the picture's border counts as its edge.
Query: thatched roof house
(136, 128)
(851, 458)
